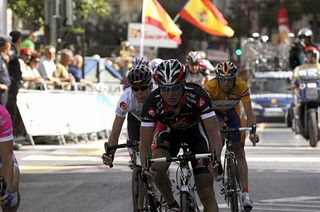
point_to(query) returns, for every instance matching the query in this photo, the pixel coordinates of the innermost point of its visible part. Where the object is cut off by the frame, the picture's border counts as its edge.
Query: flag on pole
(204, 15)
(155, 15)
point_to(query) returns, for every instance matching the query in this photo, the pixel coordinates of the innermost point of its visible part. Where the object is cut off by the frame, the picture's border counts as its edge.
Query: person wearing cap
(5, 45)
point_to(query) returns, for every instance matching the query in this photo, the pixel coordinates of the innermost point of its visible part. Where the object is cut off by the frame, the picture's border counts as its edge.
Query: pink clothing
(6, 131)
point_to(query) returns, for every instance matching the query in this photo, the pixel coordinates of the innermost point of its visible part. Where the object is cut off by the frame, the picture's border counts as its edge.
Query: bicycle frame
(231, 185)
(185, 188)
(150, 201)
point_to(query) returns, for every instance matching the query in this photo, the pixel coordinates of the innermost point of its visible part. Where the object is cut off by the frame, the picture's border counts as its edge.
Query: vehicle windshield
(269, 85)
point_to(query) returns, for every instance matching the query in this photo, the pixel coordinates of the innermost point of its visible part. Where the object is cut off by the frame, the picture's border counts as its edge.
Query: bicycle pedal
(247, 209)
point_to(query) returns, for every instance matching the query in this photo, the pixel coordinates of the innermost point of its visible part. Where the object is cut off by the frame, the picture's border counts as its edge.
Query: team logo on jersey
(201, 102)
(123, 105)
(152, 112)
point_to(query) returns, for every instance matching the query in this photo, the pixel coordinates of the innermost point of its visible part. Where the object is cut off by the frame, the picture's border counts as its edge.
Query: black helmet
(139, 75)
(170, 72)
(137, 61)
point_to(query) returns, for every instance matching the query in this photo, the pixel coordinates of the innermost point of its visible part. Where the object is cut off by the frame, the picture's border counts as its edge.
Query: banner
(153, 36)
(63, 112)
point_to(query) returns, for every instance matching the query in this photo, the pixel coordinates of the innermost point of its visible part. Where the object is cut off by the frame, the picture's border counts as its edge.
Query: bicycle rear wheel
(232, 185)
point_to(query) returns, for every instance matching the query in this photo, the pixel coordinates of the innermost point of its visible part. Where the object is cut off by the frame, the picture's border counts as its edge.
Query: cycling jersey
(6, 131)
(199, 77)
(223, 102)
(195, 106)
(129, 104)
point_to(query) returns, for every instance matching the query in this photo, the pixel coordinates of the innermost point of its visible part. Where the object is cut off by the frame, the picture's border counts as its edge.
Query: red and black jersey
(195, 106)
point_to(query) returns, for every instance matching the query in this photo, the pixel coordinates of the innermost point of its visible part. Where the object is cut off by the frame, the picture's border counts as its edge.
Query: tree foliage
(32, 11)
(29, 11)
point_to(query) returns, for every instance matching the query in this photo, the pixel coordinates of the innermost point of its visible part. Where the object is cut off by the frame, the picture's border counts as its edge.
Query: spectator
(24, 59)
(47, 66)
(15, 78)
(31, 76)
(62, 72)
(5, 45)
(14, 73)
(29, 42)
(75, 69)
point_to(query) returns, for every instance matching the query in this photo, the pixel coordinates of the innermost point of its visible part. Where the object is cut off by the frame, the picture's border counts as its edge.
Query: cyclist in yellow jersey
(226, 91)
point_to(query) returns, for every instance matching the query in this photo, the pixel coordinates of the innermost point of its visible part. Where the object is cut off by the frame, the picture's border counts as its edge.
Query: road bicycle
(184, 176)
(231, 187)
(145, 196)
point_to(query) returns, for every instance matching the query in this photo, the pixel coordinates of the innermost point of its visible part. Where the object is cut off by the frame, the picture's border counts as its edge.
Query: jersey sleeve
(148, 113)
(204, 104)
(244, 92)
(122, 105)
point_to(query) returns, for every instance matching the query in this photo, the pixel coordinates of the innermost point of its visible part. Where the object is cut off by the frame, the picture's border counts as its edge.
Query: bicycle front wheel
(233, 186)
(142, 200)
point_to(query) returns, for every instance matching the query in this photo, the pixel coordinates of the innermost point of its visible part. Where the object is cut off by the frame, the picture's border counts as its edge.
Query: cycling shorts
(232, 120)
(196, 139)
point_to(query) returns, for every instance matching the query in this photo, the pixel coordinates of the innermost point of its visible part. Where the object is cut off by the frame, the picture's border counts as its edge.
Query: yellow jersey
(224, 102)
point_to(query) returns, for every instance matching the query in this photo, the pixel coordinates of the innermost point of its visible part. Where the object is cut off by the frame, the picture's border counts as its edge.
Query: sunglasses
(228, 78)
(174, 88)
(141, 88)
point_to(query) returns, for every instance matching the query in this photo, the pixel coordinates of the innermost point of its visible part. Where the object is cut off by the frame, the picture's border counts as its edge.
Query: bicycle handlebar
(252, 130)
(182, 158)
(108, 148)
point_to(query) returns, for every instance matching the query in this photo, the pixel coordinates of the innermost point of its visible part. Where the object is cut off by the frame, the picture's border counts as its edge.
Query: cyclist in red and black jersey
(186, 113)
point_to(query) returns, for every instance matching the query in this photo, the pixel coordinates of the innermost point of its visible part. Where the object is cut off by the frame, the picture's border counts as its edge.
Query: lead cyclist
(9, 168)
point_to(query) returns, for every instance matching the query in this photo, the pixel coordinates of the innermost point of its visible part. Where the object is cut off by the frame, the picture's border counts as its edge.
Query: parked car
(270, 95)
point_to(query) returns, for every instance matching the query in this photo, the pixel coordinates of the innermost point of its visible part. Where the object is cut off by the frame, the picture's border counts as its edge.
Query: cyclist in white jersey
(130, 104)
(9, 168)
(197, 71)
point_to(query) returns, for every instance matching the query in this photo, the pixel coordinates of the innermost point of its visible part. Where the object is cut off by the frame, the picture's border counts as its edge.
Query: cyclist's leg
(164, 148)
(15, 187)
(203, 179)
(133, 129)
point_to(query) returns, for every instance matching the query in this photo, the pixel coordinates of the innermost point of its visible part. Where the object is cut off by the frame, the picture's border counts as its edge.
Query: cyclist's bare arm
(249, 113)
(146, 135)
(116, 130)
(6, 155)
(212, 129)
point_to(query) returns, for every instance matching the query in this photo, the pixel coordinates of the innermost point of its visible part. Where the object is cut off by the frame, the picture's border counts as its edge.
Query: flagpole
(143, 21)
(176, 18)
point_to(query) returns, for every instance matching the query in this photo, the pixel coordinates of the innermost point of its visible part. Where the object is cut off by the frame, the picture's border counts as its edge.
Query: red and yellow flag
(204, 15)
(155, 15)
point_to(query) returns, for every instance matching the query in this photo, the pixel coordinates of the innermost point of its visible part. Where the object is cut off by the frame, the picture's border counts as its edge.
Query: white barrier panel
(63, 112)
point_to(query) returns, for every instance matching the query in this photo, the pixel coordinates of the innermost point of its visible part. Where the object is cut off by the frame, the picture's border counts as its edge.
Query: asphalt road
(284, 175)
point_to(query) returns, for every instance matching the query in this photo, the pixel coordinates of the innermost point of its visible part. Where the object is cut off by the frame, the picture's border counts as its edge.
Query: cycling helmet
(193, 58)
(137, 61)
(139, 75)
(154, 63)
(226, 69)
(170, 72)
(305, 32)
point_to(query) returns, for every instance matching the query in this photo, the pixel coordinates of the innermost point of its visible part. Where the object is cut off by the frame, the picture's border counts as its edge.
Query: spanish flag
(155, 15)
(204, 15)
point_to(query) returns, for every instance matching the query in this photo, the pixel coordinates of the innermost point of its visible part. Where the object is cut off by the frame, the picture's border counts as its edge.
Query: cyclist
(130, 104)
(137, 61)
(197, 71)
(227, 90)
(186, 115)
(9, 168)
